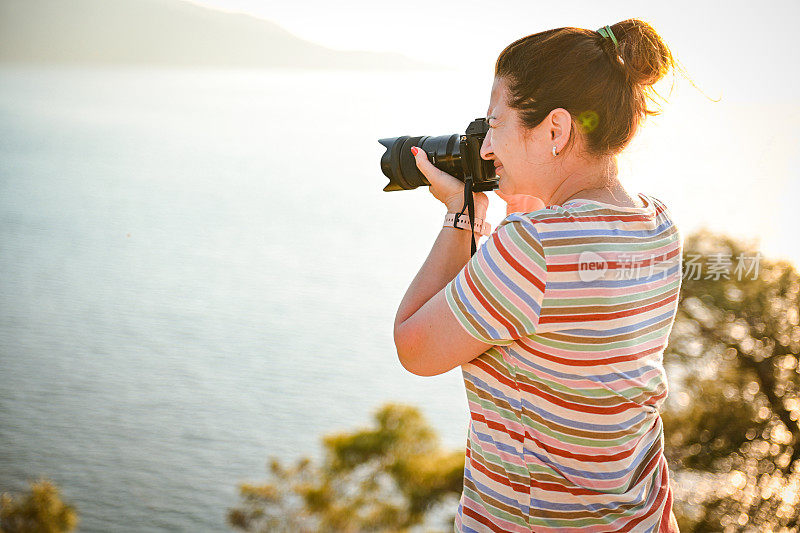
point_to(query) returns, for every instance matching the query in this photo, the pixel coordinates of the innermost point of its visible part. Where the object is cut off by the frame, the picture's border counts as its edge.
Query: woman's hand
(446, 188)
(520, 203)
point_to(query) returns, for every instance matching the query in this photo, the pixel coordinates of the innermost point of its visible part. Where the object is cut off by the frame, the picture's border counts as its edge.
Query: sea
(199, 269)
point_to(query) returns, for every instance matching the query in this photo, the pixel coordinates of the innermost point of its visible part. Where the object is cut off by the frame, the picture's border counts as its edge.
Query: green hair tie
(606, 32)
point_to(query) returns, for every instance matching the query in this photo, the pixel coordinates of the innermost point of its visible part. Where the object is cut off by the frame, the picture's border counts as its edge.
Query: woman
(560, 319)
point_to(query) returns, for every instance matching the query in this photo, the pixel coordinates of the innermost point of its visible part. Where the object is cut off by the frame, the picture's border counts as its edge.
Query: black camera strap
(469, 205)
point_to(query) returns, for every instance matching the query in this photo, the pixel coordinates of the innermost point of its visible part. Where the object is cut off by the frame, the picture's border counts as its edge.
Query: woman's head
(573, 89)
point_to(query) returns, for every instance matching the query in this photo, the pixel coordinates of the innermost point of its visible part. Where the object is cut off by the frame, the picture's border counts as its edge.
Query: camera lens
(399, 165)
(444, 152)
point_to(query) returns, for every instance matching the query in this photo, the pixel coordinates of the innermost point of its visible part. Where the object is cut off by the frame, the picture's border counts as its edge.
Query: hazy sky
(738, 50)
(716, 159)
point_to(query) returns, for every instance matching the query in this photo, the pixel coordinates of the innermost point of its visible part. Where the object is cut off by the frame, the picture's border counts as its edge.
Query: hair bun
(645, 57)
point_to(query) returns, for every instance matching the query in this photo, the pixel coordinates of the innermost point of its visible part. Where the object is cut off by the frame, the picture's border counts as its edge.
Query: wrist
(462, 222)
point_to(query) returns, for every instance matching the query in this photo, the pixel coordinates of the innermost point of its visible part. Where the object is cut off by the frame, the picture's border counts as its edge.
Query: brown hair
(604, 89)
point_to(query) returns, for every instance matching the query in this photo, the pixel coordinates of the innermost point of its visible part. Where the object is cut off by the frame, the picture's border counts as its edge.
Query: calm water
(199, 270)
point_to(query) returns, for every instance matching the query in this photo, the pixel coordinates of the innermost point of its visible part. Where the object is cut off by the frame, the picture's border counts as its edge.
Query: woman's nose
(486, 147)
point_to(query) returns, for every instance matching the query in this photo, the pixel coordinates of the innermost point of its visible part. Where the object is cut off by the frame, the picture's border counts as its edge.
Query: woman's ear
(560, 122)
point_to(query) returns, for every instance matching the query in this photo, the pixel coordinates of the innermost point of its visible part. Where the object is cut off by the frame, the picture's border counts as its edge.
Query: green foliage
(732, 433)
(39, 510)
(385, 478)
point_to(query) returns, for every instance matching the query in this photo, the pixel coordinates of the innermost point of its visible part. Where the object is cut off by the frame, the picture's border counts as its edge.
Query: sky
(744, 51)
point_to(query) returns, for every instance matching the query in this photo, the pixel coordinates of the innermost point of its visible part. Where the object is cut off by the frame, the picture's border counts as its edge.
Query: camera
(458, 155)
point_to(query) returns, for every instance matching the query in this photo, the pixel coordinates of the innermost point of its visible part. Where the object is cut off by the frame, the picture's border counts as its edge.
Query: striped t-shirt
(565, 433)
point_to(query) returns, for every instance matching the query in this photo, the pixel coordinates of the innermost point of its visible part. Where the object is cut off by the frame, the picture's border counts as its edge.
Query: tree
(39, 510)
(732, 432)
(389, 477)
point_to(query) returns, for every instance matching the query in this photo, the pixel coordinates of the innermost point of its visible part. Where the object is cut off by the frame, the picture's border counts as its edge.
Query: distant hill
(163, 32)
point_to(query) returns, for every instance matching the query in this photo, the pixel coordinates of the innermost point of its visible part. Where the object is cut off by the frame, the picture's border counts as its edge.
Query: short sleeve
(497, 296)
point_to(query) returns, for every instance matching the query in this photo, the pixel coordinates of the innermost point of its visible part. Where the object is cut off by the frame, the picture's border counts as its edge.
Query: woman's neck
(614, 194)
(598, 182)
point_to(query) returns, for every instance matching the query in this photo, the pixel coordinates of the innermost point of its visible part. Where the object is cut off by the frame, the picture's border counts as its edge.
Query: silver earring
(554, 151)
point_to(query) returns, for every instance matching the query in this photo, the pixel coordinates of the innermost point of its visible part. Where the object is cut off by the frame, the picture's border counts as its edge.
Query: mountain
(164, 32)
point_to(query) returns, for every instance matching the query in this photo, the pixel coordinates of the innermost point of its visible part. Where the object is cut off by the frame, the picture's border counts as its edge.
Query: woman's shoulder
(592, 212)
(527, 224)
(536, 222)
(585, 222)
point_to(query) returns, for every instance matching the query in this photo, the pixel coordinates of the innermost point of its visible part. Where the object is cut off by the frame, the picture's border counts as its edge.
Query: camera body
(458, 155)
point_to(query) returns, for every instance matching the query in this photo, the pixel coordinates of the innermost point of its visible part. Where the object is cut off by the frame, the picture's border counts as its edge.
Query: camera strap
(469, 205)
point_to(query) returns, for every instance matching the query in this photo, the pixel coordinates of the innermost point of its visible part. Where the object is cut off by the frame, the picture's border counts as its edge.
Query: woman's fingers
(444, 187)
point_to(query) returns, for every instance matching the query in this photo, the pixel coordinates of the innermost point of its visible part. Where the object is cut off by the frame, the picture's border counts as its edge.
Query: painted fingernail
(414, 150)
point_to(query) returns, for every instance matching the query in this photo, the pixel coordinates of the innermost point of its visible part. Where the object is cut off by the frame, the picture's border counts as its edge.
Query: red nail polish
(414, 150)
